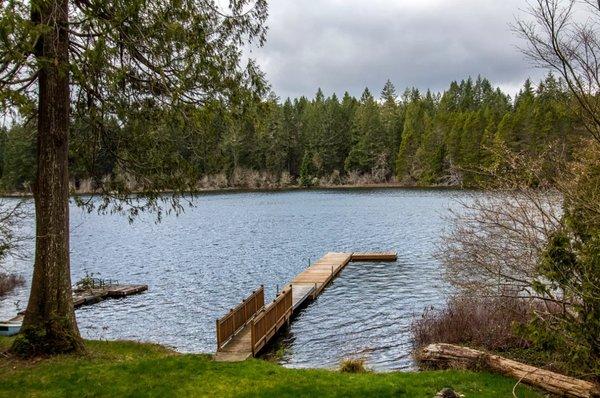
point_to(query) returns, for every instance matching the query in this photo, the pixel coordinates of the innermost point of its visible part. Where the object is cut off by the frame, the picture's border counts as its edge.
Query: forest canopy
(414, 138)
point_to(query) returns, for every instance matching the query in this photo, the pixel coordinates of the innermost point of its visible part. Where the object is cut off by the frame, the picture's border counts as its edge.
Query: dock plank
(300, 292)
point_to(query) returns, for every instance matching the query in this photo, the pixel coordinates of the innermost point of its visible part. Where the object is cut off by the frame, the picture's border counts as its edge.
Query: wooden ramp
(249, 327)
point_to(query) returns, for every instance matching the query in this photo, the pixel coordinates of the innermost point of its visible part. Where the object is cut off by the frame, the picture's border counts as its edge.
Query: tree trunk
(453, 356)
(49, 326)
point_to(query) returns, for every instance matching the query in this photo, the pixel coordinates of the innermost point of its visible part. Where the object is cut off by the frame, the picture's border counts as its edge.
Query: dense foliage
(416, 138)
(569, 270)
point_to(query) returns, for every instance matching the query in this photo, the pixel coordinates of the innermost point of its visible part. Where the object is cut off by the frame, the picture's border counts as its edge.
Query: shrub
(286, 179)
(9, 282)
(488, 323)
(353, 365)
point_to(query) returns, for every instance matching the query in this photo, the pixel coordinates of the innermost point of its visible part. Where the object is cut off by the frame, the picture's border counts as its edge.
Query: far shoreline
(290, 188)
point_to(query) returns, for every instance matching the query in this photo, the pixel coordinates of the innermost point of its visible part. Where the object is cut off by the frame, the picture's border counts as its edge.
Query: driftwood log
(453, 356)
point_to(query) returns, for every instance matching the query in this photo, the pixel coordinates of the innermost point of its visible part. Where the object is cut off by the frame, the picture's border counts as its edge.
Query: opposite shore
(282, 188)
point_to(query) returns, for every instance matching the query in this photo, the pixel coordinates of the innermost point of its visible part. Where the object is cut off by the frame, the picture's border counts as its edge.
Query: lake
(200, 263)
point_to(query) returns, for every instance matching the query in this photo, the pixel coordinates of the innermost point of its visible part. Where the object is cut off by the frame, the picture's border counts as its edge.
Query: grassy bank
(132, 369)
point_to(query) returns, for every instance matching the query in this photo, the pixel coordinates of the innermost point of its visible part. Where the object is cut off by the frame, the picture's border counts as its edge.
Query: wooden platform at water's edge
(306, 286)
(94, 295)
(81, 297)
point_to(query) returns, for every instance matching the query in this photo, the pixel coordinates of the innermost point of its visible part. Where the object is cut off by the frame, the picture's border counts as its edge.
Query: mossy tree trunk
(49, 326)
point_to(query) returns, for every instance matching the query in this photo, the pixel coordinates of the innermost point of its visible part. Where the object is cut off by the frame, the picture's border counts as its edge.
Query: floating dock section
(250, 326)
(94, 295)
(81, 297)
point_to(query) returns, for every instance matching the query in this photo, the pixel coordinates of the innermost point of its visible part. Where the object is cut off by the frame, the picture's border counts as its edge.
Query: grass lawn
(128, 369)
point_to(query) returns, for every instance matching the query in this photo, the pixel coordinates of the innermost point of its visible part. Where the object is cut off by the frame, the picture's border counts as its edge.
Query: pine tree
(306, 177)
(414, 127)
(368, 137)
(391, 120)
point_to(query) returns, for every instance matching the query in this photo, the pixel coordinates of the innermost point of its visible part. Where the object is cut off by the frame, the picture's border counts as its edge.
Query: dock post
(218, 344)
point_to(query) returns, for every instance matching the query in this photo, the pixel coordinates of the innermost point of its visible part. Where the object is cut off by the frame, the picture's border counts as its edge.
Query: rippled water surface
(200, 264)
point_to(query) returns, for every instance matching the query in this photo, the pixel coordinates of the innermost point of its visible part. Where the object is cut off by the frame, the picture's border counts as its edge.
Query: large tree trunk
(453, 356)
(49, 326)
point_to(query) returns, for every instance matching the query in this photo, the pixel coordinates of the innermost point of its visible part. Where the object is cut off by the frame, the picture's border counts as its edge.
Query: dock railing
(228, 325)
(268, 321)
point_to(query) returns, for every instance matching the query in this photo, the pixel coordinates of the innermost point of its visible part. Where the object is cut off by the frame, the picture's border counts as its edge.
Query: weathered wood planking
(387, 256)
(95, 295)
(239, 316)
(80, 298)
(300, 293)
(322, 272)
(306, 286)
(238, 348)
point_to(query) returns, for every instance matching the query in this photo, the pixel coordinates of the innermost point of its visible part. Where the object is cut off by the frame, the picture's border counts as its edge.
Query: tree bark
(49, 326)
(453, 356)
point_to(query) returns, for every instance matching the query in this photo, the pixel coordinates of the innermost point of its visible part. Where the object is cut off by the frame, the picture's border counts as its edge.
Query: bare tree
(564, 35)
(12, 215)
(497, 238)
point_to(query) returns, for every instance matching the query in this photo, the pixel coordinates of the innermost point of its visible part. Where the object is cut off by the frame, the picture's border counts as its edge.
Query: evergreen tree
(412, 132)
(391, 120)
(306, 177)
(172, 53)
(18, 157)
(368, 152)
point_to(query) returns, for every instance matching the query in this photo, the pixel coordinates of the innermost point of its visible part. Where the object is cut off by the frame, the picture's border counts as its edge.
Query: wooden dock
(81, 297)
(250, 326)
(94, 295)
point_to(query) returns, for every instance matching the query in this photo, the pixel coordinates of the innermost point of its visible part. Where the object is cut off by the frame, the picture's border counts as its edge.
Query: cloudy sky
(341, 45)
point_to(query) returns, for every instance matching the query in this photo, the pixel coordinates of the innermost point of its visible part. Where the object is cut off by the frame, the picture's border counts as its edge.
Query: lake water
(203, 262)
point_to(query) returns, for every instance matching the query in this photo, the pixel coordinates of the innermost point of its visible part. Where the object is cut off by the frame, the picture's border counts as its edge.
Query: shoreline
(291, 188)
(117, 368)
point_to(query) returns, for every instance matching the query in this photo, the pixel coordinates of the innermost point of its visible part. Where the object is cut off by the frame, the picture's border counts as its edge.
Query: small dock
(81, 297)
(96, 294)
(251, 325)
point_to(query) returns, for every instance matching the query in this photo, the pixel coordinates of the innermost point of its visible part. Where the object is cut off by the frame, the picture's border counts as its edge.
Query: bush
(353, 365)
(9, 282)
(488, 323)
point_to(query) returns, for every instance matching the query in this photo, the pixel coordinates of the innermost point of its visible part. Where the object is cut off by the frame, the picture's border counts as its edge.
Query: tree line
(415, 138)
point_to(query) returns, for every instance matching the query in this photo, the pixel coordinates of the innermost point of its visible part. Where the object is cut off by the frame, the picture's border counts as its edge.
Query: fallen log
(453, 356)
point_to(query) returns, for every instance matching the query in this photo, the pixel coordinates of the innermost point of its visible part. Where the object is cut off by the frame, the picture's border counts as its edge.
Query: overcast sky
(341, 45)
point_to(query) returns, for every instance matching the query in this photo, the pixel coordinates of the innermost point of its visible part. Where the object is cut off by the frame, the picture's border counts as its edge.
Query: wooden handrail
(231, 323)
(267, 322)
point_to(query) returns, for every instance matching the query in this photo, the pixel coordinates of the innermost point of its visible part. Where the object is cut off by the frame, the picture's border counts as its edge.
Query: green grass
(128, 369)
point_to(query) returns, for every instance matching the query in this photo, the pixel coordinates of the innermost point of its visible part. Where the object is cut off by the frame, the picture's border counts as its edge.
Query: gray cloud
(343, 45)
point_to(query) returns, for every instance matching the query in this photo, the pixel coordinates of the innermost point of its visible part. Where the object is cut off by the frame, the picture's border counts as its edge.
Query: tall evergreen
(391, 119)
(425, 139)
(368, 151)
